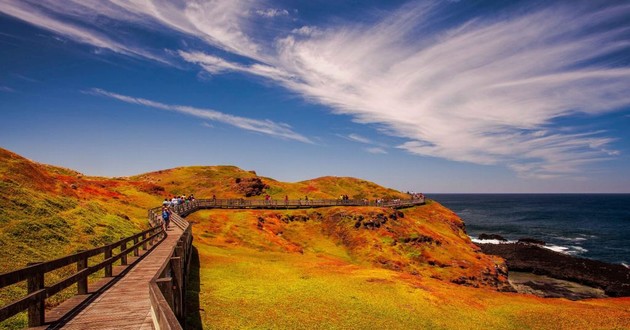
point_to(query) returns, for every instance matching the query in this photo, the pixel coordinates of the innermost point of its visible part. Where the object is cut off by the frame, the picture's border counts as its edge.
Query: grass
(249, 279)
(300, 269)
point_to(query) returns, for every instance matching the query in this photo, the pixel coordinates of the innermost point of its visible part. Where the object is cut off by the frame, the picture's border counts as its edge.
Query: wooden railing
(192, 206)
(34, 274)
(167, 289)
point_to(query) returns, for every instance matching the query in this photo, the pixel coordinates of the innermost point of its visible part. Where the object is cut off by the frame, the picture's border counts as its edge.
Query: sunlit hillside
(319, 270)
(49, 211)
(233, 182)
(338, 267)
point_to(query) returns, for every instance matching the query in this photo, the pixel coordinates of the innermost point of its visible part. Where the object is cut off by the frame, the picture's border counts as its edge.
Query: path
(126, 304)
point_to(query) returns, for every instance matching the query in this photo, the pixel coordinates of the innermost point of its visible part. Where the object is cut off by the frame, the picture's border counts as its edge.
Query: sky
(426, 96)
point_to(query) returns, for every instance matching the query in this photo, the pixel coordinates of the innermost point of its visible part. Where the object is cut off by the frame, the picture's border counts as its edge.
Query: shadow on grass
(193, 317)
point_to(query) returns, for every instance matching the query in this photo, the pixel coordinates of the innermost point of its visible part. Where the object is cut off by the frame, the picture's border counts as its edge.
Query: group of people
(416, 195)
(167, 205)
(178, 200)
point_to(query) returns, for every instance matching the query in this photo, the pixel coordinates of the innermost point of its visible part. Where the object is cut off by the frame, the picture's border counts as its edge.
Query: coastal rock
(528, 240)
(612, 278)
(485, 236)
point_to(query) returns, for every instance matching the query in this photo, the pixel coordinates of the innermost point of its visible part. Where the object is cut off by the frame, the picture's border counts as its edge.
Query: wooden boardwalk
(126, 304)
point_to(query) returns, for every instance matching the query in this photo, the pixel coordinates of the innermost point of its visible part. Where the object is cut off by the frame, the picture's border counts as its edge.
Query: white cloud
(376, 150)
(359, 138)
(268, 127)
(307, 31)
(50, 21)
(272, 12)
(487, 91)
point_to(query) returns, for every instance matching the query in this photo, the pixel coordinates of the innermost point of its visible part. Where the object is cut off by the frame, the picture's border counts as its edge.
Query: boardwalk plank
(126, 304)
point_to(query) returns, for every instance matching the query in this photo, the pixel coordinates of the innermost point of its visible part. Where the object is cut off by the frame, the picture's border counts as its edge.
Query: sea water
(595, 226)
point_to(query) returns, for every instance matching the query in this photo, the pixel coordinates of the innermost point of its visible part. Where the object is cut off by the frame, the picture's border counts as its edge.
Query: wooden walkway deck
(126, 304)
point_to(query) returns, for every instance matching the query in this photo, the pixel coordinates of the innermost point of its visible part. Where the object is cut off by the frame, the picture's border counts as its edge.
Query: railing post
(82, 283)
(135, 250)
(166, 287)
(123, 258)
(108, 268)
(178, 277)
(144, 245)
(36, 312)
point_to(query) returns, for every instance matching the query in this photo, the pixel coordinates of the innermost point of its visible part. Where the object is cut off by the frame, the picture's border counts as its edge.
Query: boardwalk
(126, 305)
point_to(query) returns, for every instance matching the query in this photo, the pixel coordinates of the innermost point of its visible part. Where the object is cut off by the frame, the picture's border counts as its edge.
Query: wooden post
(135, 250)
(178, 279)
(144, 245)
(108, 268)
(82, 283)
(166, 288)
(123, 258)
(36, 312)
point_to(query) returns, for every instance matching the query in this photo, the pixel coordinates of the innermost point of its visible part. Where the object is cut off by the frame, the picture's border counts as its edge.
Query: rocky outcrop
(250, 186)
(485, 236)
(529, 240)
(612, 278)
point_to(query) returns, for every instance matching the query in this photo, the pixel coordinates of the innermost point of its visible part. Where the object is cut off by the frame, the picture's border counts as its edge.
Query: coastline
(552, 273)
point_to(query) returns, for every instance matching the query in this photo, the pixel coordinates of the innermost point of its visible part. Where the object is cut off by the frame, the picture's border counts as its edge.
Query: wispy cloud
(376, 150)
(6, 89)
(50, 16)
(487, 90)
(272, 12)
(268, 127)
(358, 138)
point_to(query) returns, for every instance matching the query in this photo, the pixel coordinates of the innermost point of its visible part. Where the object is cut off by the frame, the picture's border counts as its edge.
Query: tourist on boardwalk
(166, 202)
(286, 200)
(166, 217)
(306, 200)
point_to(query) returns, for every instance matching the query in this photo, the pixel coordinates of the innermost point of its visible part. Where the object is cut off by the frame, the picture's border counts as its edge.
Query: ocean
(595, 226)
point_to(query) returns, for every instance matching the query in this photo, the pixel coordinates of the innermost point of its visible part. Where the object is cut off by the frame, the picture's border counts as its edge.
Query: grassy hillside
(47, 212)
(326, 268)
(318, 270)
(232, 182)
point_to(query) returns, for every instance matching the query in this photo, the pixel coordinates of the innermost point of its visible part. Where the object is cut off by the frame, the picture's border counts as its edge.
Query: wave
(557, 248)
(570, 250)
(571, 239)
(490, 241)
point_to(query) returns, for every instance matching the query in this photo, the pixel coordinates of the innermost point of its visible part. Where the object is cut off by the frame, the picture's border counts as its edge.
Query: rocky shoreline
(529, 257)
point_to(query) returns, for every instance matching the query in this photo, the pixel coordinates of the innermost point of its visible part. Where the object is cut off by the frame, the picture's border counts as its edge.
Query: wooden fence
(167, 290)
(34, 274)
(192, 206)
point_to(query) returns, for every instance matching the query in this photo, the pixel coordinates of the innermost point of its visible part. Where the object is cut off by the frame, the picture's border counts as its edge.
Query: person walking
(166, 217)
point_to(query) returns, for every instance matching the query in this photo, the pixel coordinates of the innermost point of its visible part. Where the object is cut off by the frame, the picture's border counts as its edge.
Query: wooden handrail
(167, 289)
(34, 274)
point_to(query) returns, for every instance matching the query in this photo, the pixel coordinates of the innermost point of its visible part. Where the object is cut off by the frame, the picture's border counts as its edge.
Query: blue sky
(433, 96)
